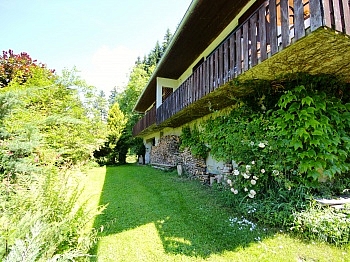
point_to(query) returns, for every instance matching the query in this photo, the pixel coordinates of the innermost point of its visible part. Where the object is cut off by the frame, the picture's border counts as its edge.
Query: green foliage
(44, 127)
(274, 208)
(47, 220)
(237, 135)
(116, 122)
(126, 100)
(190, 138)
(156, 53)
(70, 134)
(313, 130)
(289, 140)
(137, 81)
(324, 223)
(306, 135)
(15, 67)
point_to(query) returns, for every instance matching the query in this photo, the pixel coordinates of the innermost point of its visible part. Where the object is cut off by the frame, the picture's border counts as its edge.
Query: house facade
(218, 42)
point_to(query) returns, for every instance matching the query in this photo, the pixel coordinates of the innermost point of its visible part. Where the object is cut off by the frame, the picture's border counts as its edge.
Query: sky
(101, 38)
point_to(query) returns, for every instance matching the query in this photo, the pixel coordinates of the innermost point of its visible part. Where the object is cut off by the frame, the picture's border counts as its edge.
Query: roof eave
(151, 82)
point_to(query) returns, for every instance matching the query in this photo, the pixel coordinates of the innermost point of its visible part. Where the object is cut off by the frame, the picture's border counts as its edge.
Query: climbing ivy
(313, 131)
(297, 131)
(190, 138)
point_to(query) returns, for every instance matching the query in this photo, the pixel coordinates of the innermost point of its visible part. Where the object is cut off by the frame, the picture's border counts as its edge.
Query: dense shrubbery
(45, 128)
(191, 139)
(290, 144)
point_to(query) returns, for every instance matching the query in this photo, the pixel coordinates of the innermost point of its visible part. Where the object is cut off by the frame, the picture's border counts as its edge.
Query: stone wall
(167, 152)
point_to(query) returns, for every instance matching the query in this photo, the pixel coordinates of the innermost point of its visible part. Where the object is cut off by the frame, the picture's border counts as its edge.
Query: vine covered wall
(295, 130)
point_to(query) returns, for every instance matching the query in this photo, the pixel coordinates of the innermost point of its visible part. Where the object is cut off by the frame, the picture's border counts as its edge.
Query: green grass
(157, 216)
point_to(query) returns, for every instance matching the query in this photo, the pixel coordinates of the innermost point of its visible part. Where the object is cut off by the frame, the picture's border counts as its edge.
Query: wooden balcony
(148, 120)
(279, 37)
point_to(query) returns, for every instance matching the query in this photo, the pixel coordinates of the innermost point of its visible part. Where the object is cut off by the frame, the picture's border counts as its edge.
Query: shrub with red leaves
(16, 66)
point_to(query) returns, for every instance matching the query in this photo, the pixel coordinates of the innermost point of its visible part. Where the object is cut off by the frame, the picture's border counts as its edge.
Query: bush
(324, 223)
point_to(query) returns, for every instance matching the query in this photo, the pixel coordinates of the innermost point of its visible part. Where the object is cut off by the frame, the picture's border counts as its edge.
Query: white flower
(229, 181)
(246, 189)
(246, 176)
(251, 196)
(253, 182)
(252, 143)
(252, 193)
(255, 177)
(253, 162)
(261, 145)
(247, 167)
(234, 191)
(275, 172)
(236, 172)
(262, 171)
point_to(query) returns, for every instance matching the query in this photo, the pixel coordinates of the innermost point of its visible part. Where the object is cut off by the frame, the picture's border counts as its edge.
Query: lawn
(152, 215)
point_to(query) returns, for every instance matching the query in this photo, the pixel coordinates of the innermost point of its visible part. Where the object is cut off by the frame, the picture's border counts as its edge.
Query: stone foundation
(167, 153)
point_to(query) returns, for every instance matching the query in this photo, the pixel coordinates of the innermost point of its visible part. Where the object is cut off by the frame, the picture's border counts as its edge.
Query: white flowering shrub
(248, 180)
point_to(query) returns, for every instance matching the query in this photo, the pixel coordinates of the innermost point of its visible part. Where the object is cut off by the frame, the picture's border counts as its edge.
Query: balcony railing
(273, 26)
(145, 122)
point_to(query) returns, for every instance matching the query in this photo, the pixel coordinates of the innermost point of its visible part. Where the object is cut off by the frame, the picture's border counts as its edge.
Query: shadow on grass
(187, 215)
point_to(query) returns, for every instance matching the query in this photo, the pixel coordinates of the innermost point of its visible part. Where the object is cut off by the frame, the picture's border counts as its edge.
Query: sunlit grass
(158, 216)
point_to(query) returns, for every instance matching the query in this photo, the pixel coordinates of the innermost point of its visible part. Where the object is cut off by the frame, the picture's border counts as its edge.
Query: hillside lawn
(153, 215)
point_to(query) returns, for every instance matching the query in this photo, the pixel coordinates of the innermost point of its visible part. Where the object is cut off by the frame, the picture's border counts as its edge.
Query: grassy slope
(157, 216)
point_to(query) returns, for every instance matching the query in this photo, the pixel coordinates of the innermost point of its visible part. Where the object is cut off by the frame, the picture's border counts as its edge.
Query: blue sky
(102, 38)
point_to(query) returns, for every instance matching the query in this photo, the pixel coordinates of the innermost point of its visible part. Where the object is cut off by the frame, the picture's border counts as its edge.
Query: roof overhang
(201, 25)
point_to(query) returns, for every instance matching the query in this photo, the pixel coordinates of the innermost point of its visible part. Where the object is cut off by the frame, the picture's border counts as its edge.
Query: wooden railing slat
(315, 14)
(262, 33)
(216, 68)
(272, 27)
(327, 13)
(226, 61)
(219, 66)
(232, 55)
(299, 27)
(206, 75)
(285, 23)
(337, 15)
(346, 8)
(253, 30)
(245, 47)
(238, 52)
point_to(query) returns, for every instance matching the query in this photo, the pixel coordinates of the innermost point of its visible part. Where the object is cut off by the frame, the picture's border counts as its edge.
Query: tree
(112, 97)
(44, 129)
(100, 104)
(166, 41)
(137, 81)
(16, 67)
(116, 122)
(127, 99)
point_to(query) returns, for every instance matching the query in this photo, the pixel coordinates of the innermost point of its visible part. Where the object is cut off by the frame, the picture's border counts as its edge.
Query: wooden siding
(272, 27)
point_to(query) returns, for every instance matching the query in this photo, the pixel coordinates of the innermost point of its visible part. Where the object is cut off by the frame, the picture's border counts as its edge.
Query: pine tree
(167, 38)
